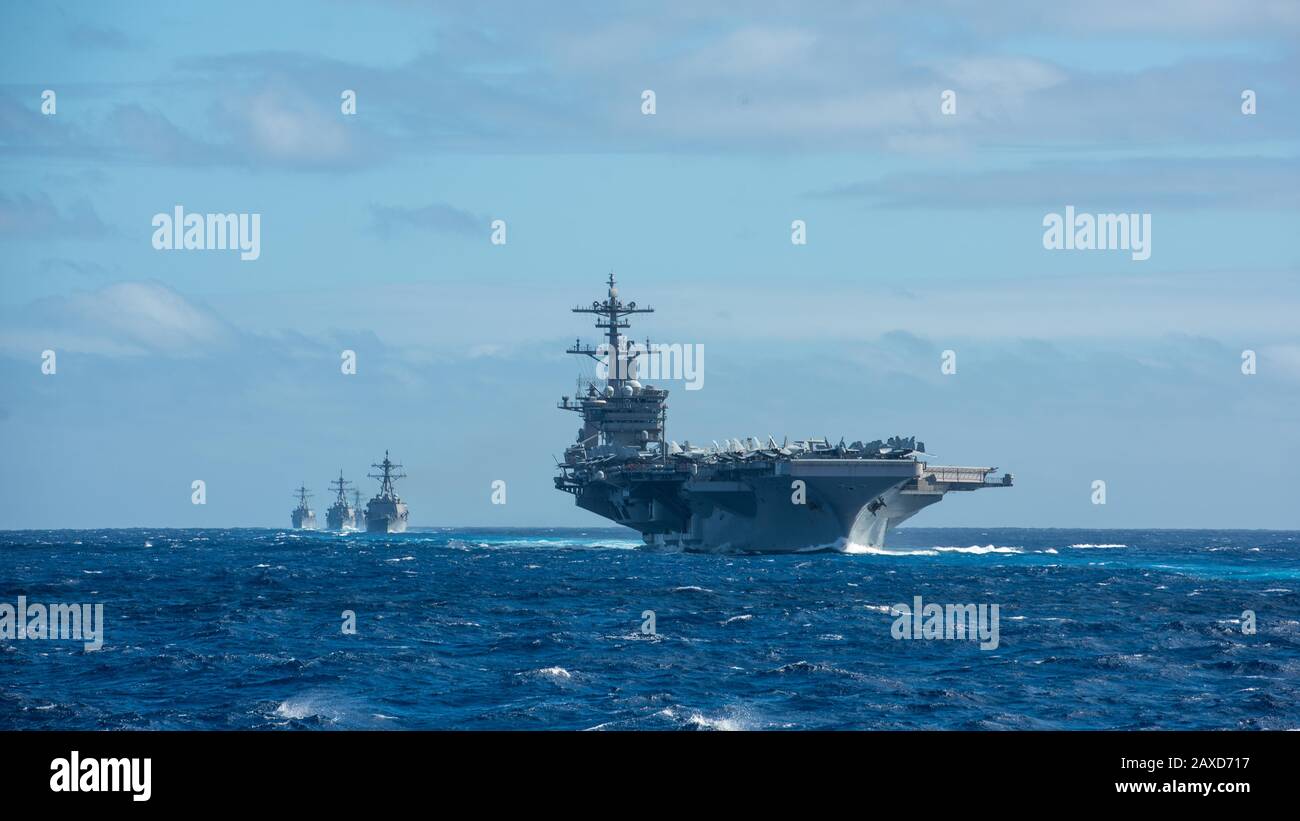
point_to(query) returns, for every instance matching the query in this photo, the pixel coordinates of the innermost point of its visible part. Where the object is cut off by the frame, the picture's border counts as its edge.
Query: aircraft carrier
(341, 515)
(303, 517)
(386, 513)
(743, 496)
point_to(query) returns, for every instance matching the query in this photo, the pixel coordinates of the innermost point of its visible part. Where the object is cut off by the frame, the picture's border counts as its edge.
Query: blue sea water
(542, 628)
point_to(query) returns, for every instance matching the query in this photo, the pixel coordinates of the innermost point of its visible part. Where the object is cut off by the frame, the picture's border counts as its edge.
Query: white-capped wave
(979, 550)
(552, 673)
(860, 549)
(555, 672)
(300, 707)
(700, 721)
(706, 723)
(541, 542)
(975, 550)
(1085, 546)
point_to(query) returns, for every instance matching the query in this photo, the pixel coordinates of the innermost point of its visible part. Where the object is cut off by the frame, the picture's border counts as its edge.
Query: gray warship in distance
(303, 517)
(744, 496)
(386, 513)
(341, 515)
(358, 512)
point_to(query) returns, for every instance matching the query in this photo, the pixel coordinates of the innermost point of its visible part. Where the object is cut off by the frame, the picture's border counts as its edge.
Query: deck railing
(962, 475)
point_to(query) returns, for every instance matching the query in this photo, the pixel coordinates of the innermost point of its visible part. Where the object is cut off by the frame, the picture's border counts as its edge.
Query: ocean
(478, 629)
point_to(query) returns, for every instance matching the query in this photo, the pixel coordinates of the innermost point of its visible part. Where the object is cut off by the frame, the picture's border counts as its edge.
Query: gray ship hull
(844, 504)
(303, 520)
(337, 518)
(387, 518)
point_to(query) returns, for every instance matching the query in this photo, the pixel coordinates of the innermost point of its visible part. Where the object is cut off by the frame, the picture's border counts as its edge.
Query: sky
(924, 234)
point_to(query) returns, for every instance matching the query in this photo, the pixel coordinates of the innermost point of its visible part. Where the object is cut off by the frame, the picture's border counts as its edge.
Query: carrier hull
(776, 507)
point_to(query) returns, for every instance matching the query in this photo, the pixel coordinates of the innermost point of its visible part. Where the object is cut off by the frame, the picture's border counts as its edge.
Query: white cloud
(1013, 76)
(123, 319)
(282, 124)
(756, 49)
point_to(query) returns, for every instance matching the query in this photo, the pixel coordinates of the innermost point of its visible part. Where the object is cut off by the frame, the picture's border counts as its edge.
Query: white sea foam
(979, 550)
(861, 549)
(554, 672)
(975, 550)
(300, 707)
(745, 617)
(699, 720)
(706, 723)
(573, 544)
(1085, 546)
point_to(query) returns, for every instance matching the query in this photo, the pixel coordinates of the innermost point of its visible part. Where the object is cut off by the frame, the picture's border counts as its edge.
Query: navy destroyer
(303, 517)
(358, 512)
(341, 515)
(386, 513)
(743, 495)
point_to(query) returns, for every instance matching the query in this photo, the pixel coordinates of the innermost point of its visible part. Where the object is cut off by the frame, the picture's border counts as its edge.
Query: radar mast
(340, 487)
(388, 472)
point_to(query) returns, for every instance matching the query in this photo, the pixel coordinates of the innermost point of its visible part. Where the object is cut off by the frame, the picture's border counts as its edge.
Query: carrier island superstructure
(743, 495)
